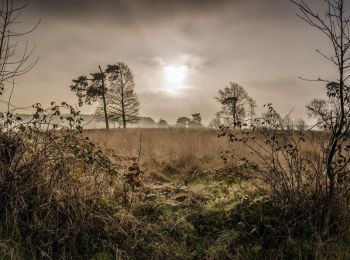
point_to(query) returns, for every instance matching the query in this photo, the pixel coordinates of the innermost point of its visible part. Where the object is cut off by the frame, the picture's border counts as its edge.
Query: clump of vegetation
(291, 174)
(49, 183)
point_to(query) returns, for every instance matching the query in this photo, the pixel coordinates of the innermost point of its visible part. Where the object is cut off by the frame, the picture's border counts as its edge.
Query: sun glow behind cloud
(175, 78)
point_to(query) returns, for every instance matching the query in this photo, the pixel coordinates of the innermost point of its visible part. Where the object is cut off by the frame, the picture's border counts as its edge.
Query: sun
(175, 76)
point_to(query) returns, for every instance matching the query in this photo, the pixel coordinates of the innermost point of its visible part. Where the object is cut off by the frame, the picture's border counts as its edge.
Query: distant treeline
(91, 121)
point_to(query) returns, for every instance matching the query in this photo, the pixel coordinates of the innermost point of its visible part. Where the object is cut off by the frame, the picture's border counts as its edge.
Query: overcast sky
(260, 44)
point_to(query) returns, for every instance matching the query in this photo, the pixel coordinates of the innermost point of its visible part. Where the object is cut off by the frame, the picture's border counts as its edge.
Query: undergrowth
(64, 197)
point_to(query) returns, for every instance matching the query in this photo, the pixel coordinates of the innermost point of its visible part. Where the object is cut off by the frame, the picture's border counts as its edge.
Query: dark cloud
(128, 10)
(150, 11)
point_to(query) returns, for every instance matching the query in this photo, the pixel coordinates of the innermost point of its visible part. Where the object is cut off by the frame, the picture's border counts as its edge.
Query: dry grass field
(164, 152)
(92, 200)
(164, 145)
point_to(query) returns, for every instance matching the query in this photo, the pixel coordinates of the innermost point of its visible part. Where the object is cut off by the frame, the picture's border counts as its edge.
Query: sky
(180, 51)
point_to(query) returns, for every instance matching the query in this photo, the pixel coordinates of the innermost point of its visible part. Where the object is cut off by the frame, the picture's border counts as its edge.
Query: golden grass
(171, 145)
(181, 210)
(181, 148)
(162, 144)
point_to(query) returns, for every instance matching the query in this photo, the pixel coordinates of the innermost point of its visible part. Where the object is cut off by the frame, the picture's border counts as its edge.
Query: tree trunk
(234, 116)
(123, 112)
(122, 103)
(327, 214)
(124, 121)
(337, 131)
(335, 27)
(104, 98)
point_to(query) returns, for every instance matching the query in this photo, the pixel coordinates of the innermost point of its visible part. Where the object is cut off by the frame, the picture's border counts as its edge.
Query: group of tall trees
(238, 110)
(114, 91)
(185, 122)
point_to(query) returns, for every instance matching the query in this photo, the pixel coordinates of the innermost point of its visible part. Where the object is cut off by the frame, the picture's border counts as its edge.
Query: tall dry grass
(161, 144)
(165, 151)
(178, 150)
(88, 213)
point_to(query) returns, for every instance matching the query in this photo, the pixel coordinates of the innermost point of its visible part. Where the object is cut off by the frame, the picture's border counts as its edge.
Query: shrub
(284, 168)
(49, 185)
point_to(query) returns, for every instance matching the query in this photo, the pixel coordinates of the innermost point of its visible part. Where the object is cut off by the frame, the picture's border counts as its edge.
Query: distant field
(176, 150)
(165, 151)
(163, 144)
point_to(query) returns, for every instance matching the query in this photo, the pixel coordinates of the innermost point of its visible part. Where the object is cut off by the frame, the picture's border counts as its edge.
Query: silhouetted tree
(196, 120)
(324, 111)
(183, 122)
(93, 89)
(272, 119)
(162, 123)
(300, 124)
(334, 23)
(235, 102)
(251, 111)
(288, 123)
(147, 122)
(215, 123)
(122, 101)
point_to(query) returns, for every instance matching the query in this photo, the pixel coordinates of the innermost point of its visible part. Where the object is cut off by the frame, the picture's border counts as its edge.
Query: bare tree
(271, 118)
(122, 101)
(13, 62)
(300, 124)
(215, 123)
(334, 24)
(320, 110)
(288, 123)
(235, 103)
(326, 112)
(251, 110)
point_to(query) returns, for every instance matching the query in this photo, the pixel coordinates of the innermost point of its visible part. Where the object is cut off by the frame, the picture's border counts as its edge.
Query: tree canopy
(236, 104)
(122, 101)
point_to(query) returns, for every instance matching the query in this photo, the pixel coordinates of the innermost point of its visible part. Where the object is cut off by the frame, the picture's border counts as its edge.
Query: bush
(290, 170)
(49, 185)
